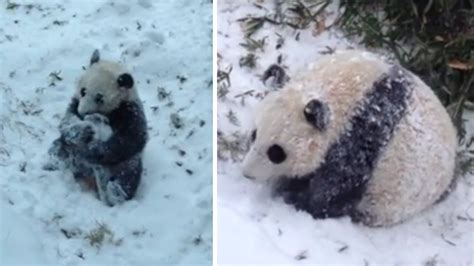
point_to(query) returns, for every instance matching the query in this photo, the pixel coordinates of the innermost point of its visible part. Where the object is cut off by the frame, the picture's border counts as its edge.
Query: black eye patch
(276, 154)
(253, 136)
(83, 92)
(125, 80)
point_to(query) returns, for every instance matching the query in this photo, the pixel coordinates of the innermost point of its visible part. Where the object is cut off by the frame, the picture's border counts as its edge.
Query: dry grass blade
(253, 45)
(456, 64)
(232, 146)
(252, 25)
(250, 61)
(223, 81)
(233, 118)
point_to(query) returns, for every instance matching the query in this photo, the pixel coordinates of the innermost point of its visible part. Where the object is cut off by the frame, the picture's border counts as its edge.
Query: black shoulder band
(334, 188)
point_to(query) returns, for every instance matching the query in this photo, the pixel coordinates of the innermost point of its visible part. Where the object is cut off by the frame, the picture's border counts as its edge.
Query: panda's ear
(95, 57)
(317, 114)
(125, 80)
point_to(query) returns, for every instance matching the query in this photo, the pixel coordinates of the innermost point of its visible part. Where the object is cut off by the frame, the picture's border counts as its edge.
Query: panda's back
(416, 166)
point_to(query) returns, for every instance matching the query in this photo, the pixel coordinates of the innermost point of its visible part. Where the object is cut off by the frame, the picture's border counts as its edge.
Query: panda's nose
(99, 99)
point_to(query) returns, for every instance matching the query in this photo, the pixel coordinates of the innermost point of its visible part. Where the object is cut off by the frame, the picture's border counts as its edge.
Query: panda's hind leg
(59, 156)
(379, 209)
(120, 182)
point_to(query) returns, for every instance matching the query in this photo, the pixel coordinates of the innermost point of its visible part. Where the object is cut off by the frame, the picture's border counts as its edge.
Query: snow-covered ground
(45, 217)
(255, 228)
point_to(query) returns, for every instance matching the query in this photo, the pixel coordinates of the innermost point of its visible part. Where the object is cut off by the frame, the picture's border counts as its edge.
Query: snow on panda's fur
(354, 136)
(104, 131)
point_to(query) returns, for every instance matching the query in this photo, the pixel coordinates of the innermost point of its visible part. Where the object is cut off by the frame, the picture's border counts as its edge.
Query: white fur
(415, 168)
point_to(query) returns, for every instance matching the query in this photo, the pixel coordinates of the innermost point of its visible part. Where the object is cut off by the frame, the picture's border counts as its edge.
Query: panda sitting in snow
(104, 132)
(355, 136)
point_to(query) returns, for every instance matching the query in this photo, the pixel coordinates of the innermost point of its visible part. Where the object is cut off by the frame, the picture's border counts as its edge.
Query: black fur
(128, 175)
(125, 80)
(72, 108)
(119, 156)
(129, 138)
(276, 154)
(95, 57)
(317, 114)
(338, 184)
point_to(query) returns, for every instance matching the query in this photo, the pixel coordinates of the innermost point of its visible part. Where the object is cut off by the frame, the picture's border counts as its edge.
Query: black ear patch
(317, 114)
(125, 80)
(95, 57)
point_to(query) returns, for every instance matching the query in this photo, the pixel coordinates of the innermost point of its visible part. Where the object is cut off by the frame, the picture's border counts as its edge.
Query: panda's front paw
(57, 149)
(101, 126)
(293, 191)
(71, 134)
(305, 201)
(298, 199)
(79, 134)
(87, 135)
(97, 119)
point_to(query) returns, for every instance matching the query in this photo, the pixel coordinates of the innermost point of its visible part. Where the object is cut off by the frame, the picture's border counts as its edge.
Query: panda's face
(103, 87)
(289, 138)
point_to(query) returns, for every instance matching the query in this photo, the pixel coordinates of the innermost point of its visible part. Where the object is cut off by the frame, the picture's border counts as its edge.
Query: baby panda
(354, 136)
(104, 132)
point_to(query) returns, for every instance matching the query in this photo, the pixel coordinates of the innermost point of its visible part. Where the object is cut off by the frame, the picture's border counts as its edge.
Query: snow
(18, 237)
(255, 228)
(167, 45)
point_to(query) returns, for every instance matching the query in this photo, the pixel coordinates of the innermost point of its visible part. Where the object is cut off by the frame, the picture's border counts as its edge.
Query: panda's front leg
(94, 136)
(72, 128)
(58, 154)
(294, 192)
(312, 195)
(69, 142)
(74, 134)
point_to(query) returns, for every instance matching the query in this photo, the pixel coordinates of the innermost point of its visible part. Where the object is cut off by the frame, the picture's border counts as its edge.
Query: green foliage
(432, 38)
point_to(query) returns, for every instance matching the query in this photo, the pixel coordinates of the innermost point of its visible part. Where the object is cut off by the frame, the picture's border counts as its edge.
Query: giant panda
(357, 136)
(104, 131)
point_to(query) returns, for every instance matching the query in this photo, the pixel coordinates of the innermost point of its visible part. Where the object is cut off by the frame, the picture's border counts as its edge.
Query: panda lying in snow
(355, 136)
(104, 132)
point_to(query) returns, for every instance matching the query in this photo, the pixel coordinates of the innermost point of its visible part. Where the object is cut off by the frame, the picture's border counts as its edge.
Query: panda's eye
(254, 135)
(276, 154)
(99, 98)
(83, 92)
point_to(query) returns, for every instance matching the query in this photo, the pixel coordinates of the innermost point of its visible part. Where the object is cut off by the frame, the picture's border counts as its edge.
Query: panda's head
(290, 136)
(103, 87)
